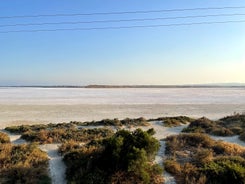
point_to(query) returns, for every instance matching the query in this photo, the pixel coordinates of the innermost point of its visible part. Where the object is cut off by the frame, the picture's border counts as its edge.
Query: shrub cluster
(60, 135)
(126, 157)
(196, 158)
(115, 122)
(174, 121)
(204, 125)
(36, 128)
(227, 126)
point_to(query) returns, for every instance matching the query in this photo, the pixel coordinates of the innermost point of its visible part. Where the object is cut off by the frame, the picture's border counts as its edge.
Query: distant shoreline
(129, 86)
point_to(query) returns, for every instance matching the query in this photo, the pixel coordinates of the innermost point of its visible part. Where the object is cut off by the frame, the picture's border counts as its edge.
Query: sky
(196, 54)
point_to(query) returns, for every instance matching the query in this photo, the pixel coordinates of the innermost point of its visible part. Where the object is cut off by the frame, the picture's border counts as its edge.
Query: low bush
(204, 125)
(4, 138)
(23, 164)
(116, 122)
(225, 170)
(174, 121)
(172, 166)
(126, 157)
(196, 158)
(227, 126)
(69, 146)
(36, 128)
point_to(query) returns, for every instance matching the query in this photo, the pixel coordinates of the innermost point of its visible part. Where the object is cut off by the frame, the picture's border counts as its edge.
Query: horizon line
(134, 86)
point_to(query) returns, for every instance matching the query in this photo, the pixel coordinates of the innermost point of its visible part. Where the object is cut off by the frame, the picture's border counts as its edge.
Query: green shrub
(127, 155)
(225, 170)
(228, 126)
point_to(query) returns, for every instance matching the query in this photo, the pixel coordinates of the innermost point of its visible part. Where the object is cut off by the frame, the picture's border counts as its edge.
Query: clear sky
(164, 55)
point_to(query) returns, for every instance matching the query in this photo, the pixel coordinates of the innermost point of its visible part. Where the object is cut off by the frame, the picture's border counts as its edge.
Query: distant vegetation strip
(221, 85)
(227, 126)
(76, 124)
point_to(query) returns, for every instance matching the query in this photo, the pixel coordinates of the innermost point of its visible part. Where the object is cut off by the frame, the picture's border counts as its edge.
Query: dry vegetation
(4, 138)
(174, 121)
(62, 135)
(227, 126)
(36, 128)
(23, 164)
(74, 124)
(115, 122)
(196, 158)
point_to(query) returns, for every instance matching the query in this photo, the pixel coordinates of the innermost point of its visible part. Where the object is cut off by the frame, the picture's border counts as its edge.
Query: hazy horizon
(132, 85)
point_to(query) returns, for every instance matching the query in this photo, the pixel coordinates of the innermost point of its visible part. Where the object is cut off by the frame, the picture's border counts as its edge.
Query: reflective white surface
(44, 105)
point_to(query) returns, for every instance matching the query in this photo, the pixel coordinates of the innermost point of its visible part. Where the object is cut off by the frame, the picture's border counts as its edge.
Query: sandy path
(56, 165)
(168, 178)
(232, 139)
(161, 133)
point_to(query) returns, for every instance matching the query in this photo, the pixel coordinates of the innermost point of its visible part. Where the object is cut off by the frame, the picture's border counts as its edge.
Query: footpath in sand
(56, 165)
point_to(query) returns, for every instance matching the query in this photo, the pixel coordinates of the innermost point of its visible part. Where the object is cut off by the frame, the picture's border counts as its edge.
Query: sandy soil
(161, 133)
(231, 139)
(56, 165)
(168, 178)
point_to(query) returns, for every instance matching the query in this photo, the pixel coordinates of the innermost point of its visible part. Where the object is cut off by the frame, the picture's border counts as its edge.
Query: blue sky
(166, 55)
